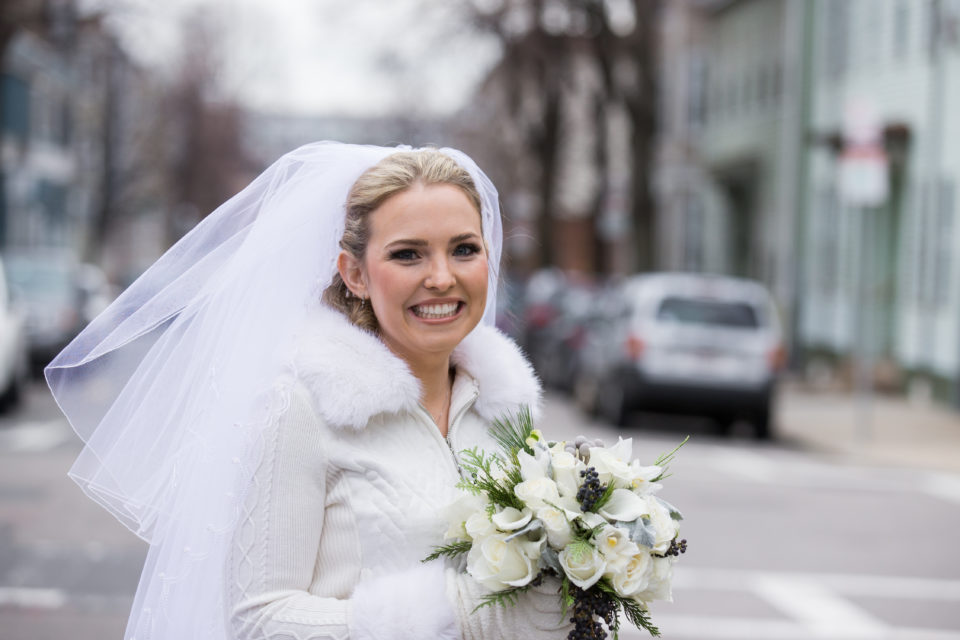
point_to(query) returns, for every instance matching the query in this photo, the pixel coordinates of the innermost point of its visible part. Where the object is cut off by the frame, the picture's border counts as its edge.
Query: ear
(351, 272)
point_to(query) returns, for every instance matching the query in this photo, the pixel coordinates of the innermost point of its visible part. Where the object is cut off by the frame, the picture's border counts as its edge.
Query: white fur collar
(353, 376)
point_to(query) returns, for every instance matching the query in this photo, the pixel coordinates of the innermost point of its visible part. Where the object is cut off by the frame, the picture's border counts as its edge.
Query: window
(718, 313)
(837, 39)
(16, 105)
(901, 29)
(944, 237)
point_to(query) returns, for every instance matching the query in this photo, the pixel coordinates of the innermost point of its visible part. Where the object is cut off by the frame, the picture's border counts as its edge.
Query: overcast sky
(363, 57)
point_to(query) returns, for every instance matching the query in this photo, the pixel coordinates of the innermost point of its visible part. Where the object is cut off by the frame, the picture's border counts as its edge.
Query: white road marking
(739, 628)
(821, 611)
(943, 485)
(33, 437)
(846, 584)
(815, 605)
(802, 474)
(32, 598)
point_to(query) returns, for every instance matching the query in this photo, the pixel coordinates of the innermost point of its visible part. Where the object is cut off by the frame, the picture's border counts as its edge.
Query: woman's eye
(466, 249)
(403, 254)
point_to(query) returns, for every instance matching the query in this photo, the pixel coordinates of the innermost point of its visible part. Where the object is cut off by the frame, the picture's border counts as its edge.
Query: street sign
(863, 171)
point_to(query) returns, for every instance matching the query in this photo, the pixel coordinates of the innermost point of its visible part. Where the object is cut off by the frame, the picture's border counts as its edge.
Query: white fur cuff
(410, 605)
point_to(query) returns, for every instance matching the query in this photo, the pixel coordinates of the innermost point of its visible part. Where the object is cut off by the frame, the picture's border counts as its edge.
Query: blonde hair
(391, 176)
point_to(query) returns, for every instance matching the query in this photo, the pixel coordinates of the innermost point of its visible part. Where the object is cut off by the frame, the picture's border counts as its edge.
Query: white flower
(583, 564)
(537, 492)
(533, 547)
(624, 505)
(510, 519)
(497, 564)
(457, 512)
(614, 463)
(557, 526)
(533, 467)
(633, 576)
(666, 527)
(616, 547)
(479, 526)
(659, 577)
(566, 471)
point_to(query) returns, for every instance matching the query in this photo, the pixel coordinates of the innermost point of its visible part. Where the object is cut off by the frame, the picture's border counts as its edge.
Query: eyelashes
(464, 250)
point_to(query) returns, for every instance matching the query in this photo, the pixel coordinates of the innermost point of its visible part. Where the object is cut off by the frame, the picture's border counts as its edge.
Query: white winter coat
(349, 494)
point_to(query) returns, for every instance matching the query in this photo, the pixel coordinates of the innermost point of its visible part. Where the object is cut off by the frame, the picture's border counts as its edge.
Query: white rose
(566, 471)
(616, 547)
(497, 564)
(510, 519)
(479, 526)
(666, 527)
(557, 526)
(624, 505)
(659, 578)
(633, 576)
(583, 564)
(537, 492)
(457, 512)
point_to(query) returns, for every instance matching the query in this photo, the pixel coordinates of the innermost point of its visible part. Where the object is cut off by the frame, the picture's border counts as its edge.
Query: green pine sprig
(665, 459)
(451, 550)
(511, 434)
(605, 498)
(633, 610)
(479, 467)
(505, 597)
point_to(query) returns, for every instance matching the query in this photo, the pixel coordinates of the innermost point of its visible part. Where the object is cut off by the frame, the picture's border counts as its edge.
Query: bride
(276, 405)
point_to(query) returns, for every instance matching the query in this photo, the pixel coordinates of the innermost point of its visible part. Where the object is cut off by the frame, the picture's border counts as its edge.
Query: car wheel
(611, 403)
(761, 421)
(12, 396)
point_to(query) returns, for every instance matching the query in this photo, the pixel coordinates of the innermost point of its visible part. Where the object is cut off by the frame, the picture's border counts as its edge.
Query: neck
(437, 389)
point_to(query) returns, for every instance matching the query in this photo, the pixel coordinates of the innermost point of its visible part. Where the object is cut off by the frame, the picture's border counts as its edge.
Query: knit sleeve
(274, 550)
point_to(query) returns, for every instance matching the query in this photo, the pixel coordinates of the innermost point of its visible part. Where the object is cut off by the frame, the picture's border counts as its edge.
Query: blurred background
(730, 218)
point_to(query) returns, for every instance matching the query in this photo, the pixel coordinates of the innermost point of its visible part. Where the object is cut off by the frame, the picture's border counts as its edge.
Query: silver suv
(684, 343)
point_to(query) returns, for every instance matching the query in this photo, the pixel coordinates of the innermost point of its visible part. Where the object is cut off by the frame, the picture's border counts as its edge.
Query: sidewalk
(890, 431)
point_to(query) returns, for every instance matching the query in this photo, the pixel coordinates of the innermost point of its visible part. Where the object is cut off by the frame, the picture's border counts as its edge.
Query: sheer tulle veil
(170, 387)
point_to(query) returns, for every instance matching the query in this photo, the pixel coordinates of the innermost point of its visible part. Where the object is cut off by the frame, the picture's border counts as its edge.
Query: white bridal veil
(169, 387)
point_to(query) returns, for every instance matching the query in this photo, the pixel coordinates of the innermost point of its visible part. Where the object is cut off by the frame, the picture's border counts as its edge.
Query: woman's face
(424, 272)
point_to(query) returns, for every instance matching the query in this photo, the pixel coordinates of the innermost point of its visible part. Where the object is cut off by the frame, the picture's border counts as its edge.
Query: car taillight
(777, 358)
(634, 346)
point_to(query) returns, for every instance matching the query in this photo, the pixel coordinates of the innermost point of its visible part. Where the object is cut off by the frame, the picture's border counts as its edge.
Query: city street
(784, 542)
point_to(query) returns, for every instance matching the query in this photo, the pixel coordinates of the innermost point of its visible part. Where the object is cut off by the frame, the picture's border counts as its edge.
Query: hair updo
(391, 176)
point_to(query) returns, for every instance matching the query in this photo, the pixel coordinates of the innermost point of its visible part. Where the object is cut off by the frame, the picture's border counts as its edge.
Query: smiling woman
(289, 456)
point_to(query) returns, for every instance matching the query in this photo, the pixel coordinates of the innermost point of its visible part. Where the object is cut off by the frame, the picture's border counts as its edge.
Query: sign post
(864, 186)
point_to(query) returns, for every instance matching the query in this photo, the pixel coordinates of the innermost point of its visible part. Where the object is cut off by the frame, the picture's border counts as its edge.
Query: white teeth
(434, 311)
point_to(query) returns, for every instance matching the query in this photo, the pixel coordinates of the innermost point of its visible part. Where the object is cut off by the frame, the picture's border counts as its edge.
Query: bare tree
(541, 41)
(207, 159)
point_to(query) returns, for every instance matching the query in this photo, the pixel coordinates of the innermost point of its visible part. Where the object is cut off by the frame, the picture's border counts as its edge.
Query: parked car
(685, 343)
(47, 285)
(14, 363)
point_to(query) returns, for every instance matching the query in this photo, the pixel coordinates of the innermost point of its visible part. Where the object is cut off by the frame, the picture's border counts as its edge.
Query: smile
(436, 311)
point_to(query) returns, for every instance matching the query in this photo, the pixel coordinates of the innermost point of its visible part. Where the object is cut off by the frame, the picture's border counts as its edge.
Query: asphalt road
(782, 543)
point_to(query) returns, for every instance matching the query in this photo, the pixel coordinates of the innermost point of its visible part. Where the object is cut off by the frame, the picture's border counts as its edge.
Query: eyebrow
(422, 243)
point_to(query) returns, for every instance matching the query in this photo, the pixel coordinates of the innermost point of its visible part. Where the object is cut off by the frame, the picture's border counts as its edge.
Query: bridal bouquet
(587, 515)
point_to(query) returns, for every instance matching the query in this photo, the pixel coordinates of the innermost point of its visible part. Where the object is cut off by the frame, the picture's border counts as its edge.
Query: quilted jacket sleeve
(274, 551)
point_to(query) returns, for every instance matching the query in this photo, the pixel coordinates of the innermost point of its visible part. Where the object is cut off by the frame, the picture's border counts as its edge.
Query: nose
(440, 276)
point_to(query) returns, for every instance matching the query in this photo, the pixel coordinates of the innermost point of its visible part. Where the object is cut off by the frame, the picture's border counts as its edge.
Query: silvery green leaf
(533, 525)
(640, 531)
(674, 512)
(550, 559)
